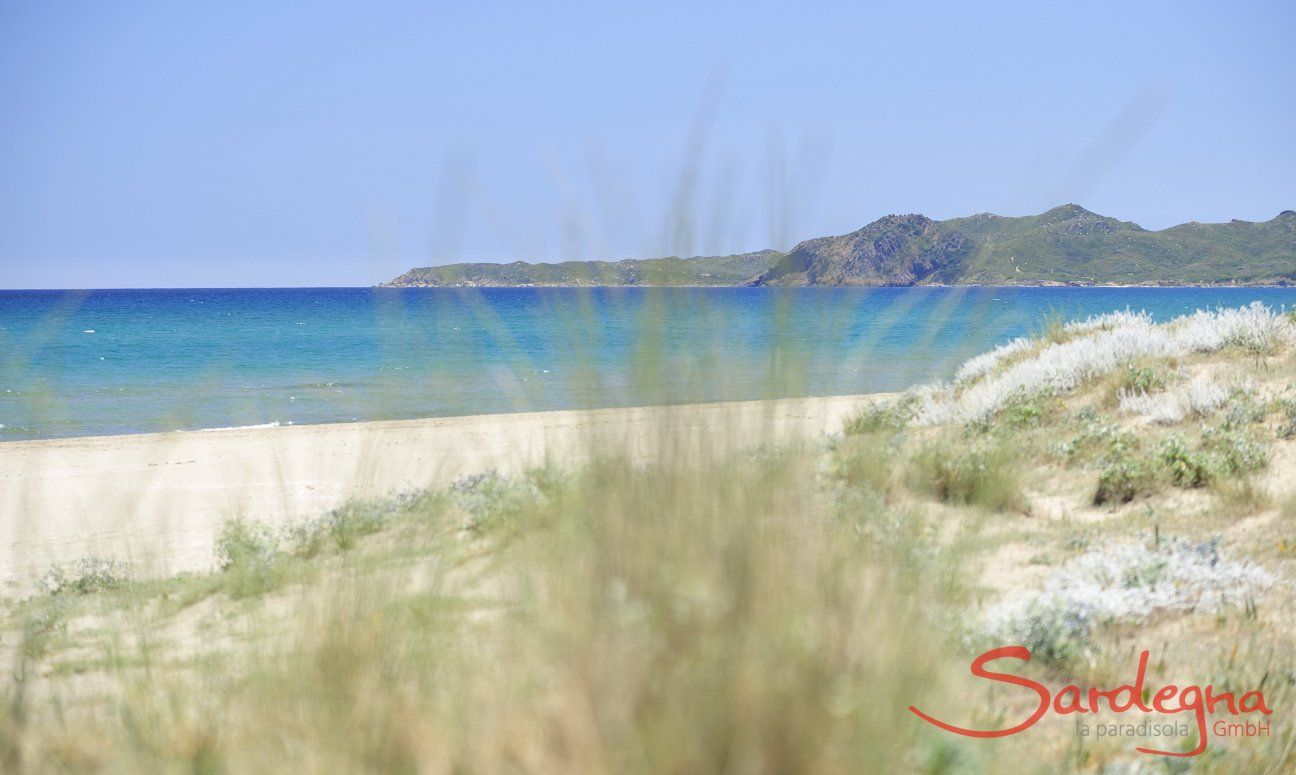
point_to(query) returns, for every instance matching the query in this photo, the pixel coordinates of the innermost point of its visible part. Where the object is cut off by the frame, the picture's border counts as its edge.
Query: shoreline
(158, 500)
(427, 419)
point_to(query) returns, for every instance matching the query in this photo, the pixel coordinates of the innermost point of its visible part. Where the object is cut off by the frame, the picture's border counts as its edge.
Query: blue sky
(240, 144)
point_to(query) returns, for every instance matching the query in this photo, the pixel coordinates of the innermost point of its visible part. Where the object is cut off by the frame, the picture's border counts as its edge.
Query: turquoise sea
(78, 363)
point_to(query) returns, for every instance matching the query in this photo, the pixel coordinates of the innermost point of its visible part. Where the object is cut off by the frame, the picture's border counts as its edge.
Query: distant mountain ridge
(1067, 245)
(702, 270)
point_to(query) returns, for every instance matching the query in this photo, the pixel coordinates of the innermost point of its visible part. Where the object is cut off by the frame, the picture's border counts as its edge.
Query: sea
(80, 363)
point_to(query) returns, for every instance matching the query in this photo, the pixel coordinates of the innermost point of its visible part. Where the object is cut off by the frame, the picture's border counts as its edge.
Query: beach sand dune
(159, 500)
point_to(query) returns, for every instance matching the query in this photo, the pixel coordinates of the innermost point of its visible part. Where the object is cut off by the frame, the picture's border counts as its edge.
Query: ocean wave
(313, 386)
(274, 424)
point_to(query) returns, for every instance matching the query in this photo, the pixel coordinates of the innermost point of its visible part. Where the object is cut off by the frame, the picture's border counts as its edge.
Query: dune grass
(684, 616)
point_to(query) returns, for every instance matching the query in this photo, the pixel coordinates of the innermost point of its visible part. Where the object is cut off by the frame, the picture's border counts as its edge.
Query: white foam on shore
(274, 424)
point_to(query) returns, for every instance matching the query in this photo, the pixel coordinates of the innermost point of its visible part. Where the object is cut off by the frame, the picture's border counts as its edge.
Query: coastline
(158, 500)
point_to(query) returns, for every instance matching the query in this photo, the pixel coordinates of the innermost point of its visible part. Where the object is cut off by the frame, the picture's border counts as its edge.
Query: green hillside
(1067, 245)
(705, 270)
(1072, 245)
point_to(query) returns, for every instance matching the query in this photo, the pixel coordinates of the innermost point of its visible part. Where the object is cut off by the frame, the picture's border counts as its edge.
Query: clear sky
(245, 144)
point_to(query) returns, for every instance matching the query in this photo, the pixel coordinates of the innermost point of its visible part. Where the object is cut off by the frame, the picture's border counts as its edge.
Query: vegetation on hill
(702, 270)
(1067, 245)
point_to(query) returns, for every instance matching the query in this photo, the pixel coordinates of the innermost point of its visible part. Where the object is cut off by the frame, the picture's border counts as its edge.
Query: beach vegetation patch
(880, 416)
(1185, 466)
(1027, 411)
(1123, 583)
(1099, 439)
(86, 576)
(1199, 398)
(980, 365)
(1286, 427)
(1235, 450)
(864, 461)
(43, 623)
(491, 499)
(1242, 496)
(248, 554)
(1243, 410)
(1124, 479)
(984, 474)
(1142, 379)
(1098, 346)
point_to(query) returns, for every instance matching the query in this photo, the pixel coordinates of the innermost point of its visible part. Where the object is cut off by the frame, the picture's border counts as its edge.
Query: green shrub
(1185, 467)
(1054, 634)
(984, 475)
(306, 539)
(249, 554)
(1142, 379)
(1023, 410)
(491, 499)
(1234, 451)
(87, 575)
(1287, 422)
(879, 416)
(245, 543)
(355, 519)
(867, 511)
(345, 524)
(1099, 440)
(1121, 481)
(1243, 411)
(1027, 411)
(863, 461)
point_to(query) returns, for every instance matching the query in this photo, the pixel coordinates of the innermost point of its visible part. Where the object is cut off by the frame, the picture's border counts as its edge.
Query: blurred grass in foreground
(731, 614)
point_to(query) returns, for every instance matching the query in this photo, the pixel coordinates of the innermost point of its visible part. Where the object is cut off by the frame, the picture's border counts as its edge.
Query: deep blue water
(124, 361)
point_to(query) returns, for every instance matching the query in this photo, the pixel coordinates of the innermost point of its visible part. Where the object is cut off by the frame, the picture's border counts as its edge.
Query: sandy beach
(159, 500)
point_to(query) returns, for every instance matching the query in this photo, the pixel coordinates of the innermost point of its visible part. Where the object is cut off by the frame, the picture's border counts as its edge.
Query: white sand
(159, 500)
